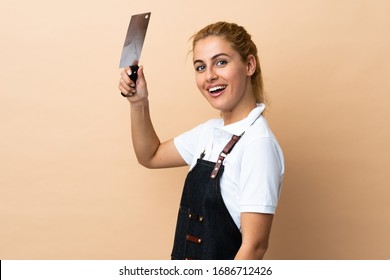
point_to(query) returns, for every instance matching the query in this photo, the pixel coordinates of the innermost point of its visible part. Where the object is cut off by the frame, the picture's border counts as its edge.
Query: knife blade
(134, 42)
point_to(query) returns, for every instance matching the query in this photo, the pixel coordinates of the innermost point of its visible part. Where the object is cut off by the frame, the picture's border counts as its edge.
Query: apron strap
(233, 141)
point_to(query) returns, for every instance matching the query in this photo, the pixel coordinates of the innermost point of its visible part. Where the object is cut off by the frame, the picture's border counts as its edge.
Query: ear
(250, 65)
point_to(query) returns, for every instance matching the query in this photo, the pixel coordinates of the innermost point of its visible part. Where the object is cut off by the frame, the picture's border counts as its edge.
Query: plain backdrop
(70, 185)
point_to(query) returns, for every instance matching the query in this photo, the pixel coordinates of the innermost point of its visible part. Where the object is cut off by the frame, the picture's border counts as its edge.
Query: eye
(200, 68)
(221, 63)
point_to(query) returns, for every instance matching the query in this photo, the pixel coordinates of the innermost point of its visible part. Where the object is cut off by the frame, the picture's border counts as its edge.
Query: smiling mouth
(217, 89)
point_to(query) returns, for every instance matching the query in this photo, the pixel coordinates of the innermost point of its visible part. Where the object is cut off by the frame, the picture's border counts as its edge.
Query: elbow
(255, 251)
(143, 160)
(259, 250)
(146, 164)
(148, 160)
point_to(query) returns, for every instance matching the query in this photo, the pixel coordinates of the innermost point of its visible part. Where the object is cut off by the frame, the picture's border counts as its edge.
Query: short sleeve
(261, 176)
(188, 143)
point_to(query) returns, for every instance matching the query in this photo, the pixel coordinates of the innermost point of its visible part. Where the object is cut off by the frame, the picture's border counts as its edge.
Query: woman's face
(223, 78)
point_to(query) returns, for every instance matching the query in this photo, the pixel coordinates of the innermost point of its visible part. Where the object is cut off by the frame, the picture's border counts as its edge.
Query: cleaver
(134, 41)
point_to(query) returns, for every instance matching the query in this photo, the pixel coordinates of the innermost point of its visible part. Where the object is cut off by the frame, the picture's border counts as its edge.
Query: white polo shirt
(254, 169)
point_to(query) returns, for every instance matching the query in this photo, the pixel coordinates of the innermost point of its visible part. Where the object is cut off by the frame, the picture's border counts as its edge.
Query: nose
(211, 75)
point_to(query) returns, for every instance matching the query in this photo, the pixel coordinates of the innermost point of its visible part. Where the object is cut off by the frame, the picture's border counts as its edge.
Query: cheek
(198, 81)
(238, 78)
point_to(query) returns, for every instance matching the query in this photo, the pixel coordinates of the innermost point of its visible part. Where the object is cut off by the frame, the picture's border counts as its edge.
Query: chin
(219, 107)
(220, 103)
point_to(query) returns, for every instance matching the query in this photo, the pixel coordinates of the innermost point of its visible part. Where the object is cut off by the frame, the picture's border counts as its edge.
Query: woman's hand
(137, 91)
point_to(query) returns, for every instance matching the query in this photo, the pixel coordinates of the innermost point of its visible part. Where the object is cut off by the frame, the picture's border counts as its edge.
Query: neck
(242, 107)
(237, 114)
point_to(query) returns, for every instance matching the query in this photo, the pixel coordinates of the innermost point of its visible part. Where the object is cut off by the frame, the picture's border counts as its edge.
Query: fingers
(129, 88)
(126, 85)
(141, 76)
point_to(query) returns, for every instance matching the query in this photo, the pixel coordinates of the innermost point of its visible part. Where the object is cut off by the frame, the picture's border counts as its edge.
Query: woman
(236, 164)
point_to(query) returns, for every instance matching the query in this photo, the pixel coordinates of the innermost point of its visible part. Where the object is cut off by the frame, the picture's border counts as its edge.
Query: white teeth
(216, 88)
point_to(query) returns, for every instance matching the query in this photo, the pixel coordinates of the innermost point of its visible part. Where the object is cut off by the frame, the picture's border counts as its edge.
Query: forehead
(210, 46)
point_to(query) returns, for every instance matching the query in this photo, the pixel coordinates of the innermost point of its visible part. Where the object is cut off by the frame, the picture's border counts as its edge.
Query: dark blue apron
(205, 230)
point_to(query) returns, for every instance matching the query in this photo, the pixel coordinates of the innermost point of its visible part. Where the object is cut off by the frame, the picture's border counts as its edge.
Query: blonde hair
(241, 42)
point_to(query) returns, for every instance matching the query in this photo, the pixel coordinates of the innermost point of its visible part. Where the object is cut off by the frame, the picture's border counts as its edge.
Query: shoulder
(201, 128)
(260, 146)
(259, 134)
(190, 142)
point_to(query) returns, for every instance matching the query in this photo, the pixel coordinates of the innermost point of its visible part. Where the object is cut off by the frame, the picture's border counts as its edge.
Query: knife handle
(133, 76)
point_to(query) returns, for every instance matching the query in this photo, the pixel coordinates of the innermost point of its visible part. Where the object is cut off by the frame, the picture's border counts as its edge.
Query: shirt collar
(240, 127)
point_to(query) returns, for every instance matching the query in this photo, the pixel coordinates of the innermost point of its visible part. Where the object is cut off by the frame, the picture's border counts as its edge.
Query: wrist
(137, 104)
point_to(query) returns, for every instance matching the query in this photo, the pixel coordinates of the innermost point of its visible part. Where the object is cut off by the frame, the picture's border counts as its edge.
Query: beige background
(70, 186)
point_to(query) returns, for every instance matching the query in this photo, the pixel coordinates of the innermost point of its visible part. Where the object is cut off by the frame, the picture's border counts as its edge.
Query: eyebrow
(214, 57)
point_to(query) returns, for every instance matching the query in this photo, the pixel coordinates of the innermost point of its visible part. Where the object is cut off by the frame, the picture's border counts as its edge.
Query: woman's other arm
(256, 228)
